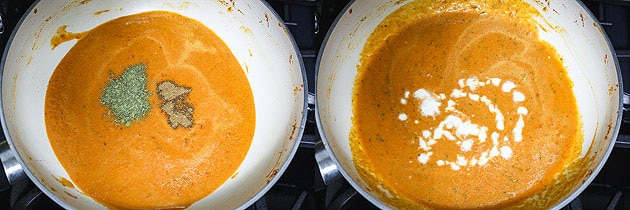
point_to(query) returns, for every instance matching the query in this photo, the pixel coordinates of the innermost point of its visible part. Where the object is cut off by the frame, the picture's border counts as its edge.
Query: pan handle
(626, 108)
(12, 171)
(1, 25)
(327, 168)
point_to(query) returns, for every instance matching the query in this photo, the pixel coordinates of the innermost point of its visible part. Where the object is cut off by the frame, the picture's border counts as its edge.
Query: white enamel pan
(253, 31)
(569, 27)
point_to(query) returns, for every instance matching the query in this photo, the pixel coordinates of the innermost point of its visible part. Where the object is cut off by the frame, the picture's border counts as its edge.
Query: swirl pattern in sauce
(462, 107)
(150, 164)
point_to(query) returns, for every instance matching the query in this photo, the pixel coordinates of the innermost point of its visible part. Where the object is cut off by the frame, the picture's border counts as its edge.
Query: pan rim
(615, 133)
(318, 119)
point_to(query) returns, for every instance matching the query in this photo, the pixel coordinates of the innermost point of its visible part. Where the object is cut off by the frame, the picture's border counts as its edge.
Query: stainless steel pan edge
(318, 117)
(619, 113)
(296, 140)
(13, 154)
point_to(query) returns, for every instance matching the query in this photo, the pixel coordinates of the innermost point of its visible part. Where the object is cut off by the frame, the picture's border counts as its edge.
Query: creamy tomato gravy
(461, 108)
(150, 164)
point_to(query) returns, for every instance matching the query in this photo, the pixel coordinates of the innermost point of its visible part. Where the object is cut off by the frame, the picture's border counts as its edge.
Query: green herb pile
(127, 96)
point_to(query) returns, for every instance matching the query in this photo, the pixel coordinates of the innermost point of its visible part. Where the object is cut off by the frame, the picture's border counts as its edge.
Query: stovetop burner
(301, 186)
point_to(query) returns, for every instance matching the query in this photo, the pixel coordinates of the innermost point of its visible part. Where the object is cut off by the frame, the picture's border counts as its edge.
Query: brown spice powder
(178, 112)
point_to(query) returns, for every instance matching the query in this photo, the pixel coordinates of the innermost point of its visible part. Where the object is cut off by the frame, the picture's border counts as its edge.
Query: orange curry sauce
(462, 107)
(150, 164)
